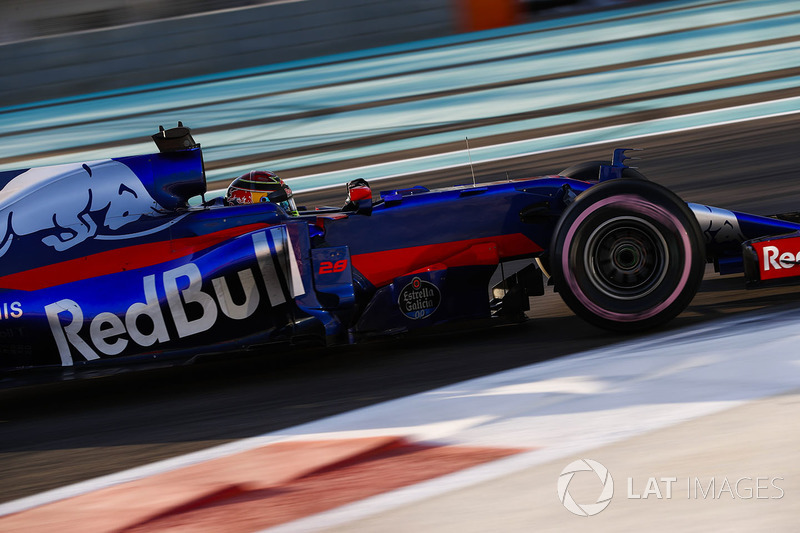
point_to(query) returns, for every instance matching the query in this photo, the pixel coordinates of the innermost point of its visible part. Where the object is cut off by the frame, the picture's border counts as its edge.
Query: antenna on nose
(471, 168)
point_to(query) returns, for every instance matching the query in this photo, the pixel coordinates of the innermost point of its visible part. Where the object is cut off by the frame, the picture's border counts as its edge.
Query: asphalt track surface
(66, 432)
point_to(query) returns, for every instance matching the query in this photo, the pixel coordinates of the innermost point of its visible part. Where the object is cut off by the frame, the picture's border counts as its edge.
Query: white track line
(643, 386)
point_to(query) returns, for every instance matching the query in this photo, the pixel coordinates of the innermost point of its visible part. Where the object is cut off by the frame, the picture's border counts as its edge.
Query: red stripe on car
(380, 268)
(119, 260)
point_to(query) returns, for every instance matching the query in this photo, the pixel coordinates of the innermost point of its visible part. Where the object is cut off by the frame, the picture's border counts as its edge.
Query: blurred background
(54, 48)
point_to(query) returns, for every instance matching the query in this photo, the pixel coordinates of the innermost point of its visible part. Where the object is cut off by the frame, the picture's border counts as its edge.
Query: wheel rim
(626, 258)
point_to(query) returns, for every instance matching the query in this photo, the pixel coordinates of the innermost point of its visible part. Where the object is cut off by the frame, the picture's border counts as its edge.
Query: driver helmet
(254, 187)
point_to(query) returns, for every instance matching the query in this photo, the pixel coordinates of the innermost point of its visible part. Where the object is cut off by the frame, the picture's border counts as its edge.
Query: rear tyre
(627, 255)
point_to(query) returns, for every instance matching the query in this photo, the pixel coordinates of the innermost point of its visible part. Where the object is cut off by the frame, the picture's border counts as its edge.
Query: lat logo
(585, 509)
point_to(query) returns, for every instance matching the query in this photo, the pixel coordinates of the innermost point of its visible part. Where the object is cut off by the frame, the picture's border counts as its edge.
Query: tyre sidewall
(674, 231)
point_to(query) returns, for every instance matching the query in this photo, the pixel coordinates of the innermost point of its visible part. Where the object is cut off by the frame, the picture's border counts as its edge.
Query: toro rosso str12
(104, 262)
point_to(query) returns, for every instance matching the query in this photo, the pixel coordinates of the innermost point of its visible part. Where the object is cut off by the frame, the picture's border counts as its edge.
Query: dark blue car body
(80, 288)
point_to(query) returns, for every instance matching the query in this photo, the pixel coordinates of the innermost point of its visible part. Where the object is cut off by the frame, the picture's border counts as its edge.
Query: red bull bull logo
(62, 201)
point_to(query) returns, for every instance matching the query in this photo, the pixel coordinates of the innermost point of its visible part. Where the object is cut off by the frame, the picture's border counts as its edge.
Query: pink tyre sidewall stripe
(641, 206)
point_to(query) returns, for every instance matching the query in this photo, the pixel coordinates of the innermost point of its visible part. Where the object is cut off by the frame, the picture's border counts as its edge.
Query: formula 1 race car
(104, 262)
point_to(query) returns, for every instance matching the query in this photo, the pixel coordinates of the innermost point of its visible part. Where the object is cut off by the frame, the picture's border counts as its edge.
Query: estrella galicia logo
(419, 299)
